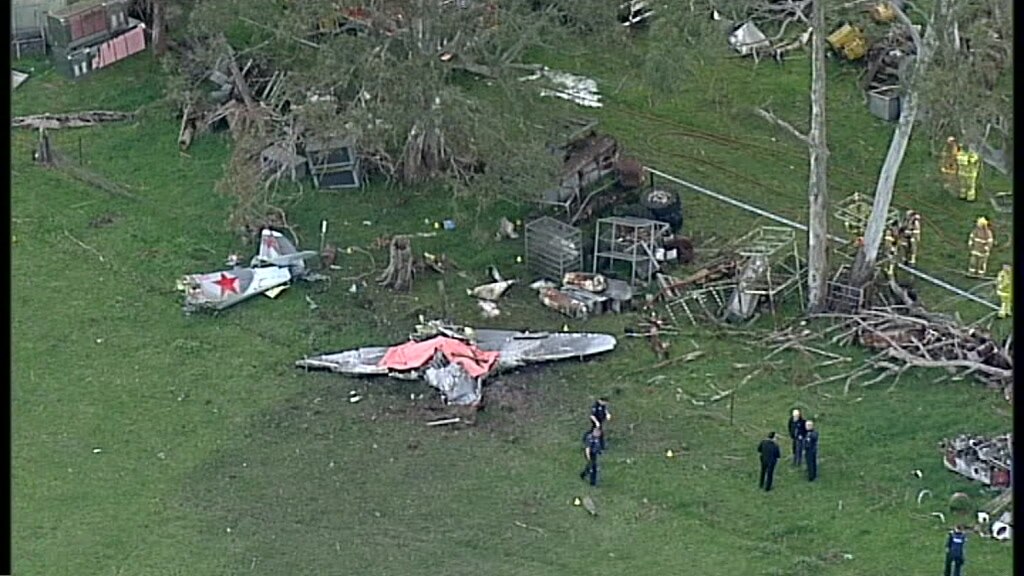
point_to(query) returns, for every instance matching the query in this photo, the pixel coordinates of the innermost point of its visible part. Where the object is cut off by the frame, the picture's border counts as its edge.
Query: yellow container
(850, 41)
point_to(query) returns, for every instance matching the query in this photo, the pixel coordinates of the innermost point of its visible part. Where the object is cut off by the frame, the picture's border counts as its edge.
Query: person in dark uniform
(797, 433)
(599, 414)
(811, 451)
(955, 551)
(591, 450)
(770, 454)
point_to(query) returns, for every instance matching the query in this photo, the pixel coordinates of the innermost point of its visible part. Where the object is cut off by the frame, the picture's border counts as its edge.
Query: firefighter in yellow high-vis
(891, 250)
(980, 245)
(1004, 289)
(910, 232)
(947, 162)
(968, 164)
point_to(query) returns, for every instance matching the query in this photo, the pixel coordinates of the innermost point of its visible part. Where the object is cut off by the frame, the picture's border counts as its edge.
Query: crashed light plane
(456, 360)
(276, 264)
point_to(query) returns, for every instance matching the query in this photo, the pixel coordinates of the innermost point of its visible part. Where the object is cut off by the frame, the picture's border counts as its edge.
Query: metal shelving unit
(631, 240)
(553, 248)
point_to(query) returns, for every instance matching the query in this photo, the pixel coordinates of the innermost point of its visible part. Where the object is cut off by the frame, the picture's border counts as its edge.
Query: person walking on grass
(797, 433)
(591, 450)
(770, 454)
(955, 551)
(811, 451)
(599, 414)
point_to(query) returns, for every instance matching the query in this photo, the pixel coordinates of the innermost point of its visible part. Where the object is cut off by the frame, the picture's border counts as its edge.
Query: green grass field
(217, 457)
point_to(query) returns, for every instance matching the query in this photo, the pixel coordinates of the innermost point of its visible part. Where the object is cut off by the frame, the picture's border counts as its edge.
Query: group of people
(805, 450)
(804, 438)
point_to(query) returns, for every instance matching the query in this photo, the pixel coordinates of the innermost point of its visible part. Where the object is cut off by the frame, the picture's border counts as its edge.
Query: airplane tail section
(274, 245)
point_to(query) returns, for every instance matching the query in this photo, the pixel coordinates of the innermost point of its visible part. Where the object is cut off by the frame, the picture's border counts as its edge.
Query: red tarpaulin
(412, 355)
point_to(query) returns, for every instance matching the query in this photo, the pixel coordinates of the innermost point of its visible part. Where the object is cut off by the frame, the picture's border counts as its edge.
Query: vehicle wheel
(665, 207)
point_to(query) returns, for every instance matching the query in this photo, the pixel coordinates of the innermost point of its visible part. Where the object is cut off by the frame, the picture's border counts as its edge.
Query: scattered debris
(17, 79)
(311, 303)
(748, 39)
(506, 229)
(492, 291)
(489, 309)
(542, 284)
(528, 527)
(922, 494)
(577, 89)
(940, 516)
(444, 421)
(588, 503)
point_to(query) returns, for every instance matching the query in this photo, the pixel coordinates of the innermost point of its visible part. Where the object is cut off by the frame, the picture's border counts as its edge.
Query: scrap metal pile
(982, 459)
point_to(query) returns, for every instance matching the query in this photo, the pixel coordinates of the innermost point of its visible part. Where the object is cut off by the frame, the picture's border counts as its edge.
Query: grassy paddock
(217, 457)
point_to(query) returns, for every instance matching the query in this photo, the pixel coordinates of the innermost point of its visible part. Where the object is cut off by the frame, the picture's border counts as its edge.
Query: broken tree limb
(772, 118)
(528, 527)
(84, 245)
(69, 119)
(684, 358)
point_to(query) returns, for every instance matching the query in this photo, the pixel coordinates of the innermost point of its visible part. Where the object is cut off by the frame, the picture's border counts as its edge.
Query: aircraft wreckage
(985, 460)
(277, 263)
(455, 360)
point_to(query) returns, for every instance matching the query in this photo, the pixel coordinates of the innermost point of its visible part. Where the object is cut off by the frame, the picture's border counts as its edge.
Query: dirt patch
(509, 401)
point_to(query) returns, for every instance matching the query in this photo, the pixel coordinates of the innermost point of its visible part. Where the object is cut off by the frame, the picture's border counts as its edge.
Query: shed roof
(81, 6)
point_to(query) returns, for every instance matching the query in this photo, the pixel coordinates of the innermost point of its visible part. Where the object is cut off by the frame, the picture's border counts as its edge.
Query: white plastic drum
(1001, 531)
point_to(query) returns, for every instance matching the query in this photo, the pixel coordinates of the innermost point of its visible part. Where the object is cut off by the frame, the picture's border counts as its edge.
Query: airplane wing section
(521, 348)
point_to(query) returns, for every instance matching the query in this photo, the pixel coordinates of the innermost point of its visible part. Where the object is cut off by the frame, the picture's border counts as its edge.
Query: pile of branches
(905, 337)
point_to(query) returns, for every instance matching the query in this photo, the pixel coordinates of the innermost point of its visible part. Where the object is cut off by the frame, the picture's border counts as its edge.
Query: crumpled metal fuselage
(515, 349)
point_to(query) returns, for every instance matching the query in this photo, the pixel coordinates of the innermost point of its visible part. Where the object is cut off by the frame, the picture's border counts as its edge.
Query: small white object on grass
(669, 454)
(354, 399)
(97, 450)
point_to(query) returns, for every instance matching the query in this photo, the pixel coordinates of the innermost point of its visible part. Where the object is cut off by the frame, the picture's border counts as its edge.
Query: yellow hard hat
(982, 221)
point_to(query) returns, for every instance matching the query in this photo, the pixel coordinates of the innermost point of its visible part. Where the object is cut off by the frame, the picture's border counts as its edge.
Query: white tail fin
(273, 245)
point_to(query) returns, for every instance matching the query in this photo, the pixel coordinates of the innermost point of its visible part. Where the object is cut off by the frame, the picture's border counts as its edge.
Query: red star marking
(227, 284)
(271, 243)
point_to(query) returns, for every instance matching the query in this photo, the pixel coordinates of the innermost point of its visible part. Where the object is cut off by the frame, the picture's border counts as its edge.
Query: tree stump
(398, 274)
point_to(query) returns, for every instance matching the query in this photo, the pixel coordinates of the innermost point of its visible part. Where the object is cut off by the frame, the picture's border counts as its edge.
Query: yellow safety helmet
(982, 221)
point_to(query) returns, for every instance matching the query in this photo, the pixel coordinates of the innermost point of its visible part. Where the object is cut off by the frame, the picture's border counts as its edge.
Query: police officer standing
(797, 432)
(770, 454)
(591, 450)
(599, 414)
(955, 550)
(811, 451)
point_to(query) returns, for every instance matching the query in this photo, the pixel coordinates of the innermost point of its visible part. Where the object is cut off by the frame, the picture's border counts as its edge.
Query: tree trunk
(817, 186)
(159, 39)
(864, 264)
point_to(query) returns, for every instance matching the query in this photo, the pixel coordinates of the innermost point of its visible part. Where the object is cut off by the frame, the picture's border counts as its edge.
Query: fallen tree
(69, 120)
(905, 337)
